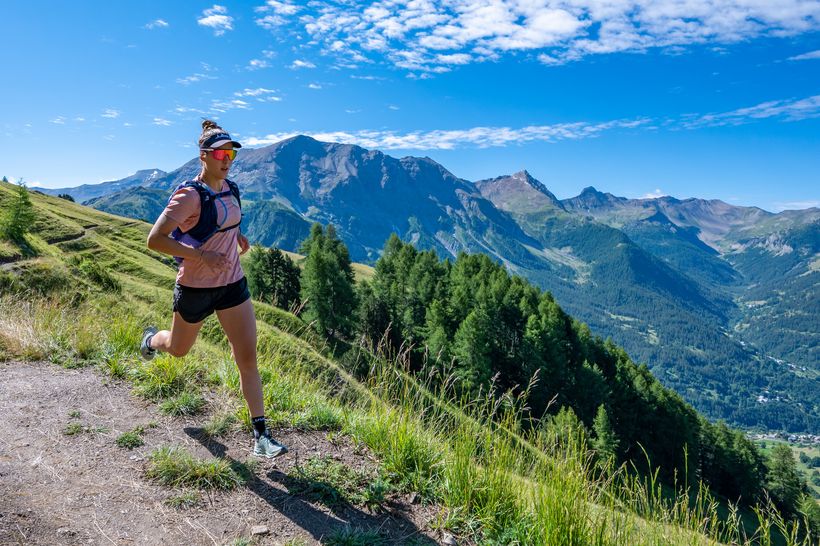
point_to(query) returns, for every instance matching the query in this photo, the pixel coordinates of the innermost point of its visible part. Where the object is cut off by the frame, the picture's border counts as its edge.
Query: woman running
(200, 228)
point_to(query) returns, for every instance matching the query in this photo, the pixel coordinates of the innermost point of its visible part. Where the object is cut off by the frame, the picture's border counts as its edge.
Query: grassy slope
(495, 483)
(362, 272)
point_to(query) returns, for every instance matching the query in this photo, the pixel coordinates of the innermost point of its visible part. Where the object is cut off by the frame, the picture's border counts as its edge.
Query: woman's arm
(160, 240)
(244, 245)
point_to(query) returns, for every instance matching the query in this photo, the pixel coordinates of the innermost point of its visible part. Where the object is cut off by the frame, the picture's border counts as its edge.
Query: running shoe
(145, 349)
(267, 447)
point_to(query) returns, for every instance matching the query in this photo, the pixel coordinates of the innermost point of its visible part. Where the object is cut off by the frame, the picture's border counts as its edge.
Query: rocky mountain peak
(518, 193)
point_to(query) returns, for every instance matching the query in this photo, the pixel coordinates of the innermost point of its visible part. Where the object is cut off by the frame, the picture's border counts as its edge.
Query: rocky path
(84, 489)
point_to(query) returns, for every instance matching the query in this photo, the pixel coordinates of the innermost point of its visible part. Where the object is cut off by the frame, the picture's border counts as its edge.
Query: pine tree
(374, 316)
(472, 350)
(606, 441)
(327, 283)
(273, 277)
(19, 217)
(784, 483)
(259, 283)
(810, 510)
(564, 432)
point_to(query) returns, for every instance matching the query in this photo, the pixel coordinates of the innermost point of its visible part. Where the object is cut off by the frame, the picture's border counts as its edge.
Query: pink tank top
(183, 208)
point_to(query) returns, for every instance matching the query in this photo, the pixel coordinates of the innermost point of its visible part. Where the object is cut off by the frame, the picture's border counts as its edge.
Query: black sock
(259, 426)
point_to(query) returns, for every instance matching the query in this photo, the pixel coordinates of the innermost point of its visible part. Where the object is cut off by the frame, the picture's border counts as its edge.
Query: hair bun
(208, 124)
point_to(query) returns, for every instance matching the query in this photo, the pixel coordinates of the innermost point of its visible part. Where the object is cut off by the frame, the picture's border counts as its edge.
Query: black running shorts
(195, 304)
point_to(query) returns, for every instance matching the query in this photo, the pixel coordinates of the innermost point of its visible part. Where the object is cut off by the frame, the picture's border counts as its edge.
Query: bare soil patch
(84, 489)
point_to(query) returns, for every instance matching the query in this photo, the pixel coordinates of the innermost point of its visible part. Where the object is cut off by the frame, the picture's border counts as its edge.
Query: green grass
(354, 537)
(98, 274)
(219, 424)
(185, 403)
(184, 501)
(332, 483)
(74, 428)
(165, 376)
(132, 438)
(176, 467)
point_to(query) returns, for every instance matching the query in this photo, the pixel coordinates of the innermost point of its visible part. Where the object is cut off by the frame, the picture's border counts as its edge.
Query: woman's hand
(215, 260)
(244, 245)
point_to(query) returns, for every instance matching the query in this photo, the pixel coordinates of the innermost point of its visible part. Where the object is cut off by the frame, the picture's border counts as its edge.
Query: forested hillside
(557, 437)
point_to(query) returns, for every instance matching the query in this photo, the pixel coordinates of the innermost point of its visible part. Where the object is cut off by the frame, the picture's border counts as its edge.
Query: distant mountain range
(91, 191)
(721, 302)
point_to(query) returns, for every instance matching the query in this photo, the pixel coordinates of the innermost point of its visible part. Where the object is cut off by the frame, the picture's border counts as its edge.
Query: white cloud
(260, 94)
(161, 121)
(217, 19)
(157, 23)
(111, 113)
(314, 86)
(188, 80)
(298, 63)
(225, 105)
(806, 56)
(256, 64)
(275, 14)
(434, 35)
(79, 119)
(392, 107)
(270, 22)
(785, 110)
(481, 137)
(455, 58)
(486, 137)
(247, 92)
(654, 195)
(187, 110)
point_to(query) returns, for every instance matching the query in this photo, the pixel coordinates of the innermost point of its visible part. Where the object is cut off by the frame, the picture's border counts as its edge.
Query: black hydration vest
(206, 227)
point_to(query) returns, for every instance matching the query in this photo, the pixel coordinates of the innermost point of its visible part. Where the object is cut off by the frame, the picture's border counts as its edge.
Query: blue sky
(693, 98)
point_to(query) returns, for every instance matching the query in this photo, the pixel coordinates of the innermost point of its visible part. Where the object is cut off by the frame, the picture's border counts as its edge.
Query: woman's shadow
(343, 517)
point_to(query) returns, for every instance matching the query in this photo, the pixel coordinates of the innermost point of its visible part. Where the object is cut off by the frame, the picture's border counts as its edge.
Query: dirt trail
(84, 489)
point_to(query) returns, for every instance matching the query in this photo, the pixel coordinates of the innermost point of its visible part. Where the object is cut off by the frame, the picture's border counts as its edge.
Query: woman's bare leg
(179, 339)
(239, 324)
